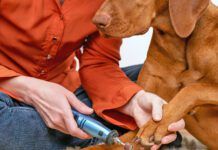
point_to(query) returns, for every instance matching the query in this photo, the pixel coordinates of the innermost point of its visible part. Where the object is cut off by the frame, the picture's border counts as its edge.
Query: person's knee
(5, 100)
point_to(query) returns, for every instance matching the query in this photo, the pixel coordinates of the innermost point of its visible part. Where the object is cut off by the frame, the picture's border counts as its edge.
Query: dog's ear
(185, 13)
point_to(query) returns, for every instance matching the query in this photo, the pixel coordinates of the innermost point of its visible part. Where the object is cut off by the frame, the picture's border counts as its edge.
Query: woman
(40, 85)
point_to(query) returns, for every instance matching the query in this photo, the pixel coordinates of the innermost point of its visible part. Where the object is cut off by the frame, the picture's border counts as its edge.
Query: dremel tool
(96, 129)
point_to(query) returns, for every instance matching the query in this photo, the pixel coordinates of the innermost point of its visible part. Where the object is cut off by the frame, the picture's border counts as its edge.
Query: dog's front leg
(184, 102)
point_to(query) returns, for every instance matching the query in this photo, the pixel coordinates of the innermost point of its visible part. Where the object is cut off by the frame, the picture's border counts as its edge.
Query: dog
(181, 65)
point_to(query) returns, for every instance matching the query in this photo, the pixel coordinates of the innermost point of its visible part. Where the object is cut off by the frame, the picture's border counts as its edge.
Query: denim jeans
(22, 128)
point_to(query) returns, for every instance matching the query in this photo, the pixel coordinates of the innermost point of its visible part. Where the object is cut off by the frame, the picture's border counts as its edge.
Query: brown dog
(182, 61)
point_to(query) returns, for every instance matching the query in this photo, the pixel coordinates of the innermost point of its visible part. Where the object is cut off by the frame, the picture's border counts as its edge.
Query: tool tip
(118, 141)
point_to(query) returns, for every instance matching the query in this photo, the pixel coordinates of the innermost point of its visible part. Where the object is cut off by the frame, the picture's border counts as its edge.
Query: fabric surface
(22, 128)
(40, 38)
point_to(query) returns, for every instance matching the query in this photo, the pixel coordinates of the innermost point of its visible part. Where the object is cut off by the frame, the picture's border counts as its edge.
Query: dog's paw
(153, 132)
(146, 134)
(135, 144)
(161, 131)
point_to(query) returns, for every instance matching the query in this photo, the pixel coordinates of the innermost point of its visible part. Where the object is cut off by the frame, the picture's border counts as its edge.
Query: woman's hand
(52, 101)
(144, 106)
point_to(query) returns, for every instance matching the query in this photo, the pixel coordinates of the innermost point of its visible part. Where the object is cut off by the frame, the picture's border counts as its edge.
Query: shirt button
(42, 72)
(62, 17)
(54, 40)
(48, 57)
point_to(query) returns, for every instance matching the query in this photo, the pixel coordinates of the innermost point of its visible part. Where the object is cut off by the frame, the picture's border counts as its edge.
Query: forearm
(19, 87)
(49, 100)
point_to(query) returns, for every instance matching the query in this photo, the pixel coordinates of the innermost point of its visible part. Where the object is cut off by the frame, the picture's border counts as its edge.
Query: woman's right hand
(52, 101)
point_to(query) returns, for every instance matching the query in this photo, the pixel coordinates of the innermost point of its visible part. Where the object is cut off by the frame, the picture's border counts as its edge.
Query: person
(40, 86)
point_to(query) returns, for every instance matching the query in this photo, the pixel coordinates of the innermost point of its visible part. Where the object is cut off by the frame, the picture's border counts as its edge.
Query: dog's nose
(102, 20)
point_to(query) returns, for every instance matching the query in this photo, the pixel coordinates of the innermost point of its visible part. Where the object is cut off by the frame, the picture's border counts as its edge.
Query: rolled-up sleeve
(7, 73)
(106, 84)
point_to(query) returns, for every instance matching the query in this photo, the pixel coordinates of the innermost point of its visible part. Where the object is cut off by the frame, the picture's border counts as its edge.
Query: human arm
(104, 81)
(145, 106)
(52, 101)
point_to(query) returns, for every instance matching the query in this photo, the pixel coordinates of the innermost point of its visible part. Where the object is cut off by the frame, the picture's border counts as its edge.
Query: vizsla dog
(181, 65)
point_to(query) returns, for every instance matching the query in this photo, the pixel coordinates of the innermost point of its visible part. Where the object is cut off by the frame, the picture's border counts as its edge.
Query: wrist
(28, 87)
(131, 106)
(128, 108)
(19, 87)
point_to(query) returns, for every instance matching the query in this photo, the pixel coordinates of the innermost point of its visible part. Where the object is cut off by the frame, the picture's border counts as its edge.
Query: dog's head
(123, 18)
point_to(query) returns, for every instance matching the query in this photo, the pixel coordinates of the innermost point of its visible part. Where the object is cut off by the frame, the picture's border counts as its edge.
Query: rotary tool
(96, 129)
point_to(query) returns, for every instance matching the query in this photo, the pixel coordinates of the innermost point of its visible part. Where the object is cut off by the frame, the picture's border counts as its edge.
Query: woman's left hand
(144, 106)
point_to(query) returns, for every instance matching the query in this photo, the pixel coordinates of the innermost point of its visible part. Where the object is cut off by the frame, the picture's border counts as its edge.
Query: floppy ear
(185, 13)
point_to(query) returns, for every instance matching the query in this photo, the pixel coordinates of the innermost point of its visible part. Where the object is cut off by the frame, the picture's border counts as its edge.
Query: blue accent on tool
(96, 129)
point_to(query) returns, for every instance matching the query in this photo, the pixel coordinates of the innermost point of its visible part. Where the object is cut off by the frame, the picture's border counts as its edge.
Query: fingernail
(90, 110)
(171, 127)
(157, 117)
(167, 140)
(85, 136)
(88, 137)
(154, 147)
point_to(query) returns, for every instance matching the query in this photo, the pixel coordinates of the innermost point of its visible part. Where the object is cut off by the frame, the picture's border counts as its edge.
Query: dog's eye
(139, 4)
(161, 32)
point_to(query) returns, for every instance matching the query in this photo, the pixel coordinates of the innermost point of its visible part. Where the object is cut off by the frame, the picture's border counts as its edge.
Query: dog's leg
(188, 98)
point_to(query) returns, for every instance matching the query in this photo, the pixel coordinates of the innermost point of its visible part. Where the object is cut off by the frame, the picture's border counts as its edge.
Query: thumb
(157, 109)
(78, 105)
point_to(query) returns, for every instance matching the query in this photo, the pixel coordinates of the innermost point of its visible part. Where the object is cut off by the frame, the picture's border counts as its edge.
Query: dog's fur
(181, 65)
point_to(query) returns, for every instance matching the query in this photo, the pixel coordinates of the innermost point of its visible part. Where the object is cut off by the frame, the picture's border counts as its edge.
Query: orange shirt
(40, 38)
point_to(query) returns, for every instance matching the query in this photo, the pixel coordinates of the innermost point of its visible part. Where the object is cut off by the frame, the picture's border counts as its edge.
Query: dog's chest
(202, 52)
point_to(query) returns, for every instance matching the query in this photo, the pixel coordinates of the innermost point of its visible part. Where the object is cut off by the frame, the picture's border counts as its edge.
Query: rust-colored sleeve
(6, 72)
(106, 84)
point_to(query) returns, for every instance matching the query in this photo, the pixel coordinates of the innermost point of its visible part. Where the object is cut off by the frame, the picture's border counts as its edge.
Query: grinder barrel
(95, 128)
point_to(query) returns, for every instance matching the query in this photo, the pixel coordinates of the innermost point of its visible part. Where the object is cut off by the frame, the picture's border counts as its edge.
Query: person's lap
(22, 128)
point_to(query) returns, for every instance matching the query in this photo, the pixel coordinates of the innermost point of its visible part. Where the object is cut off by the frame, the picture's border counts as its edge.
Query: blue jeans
(22, 128)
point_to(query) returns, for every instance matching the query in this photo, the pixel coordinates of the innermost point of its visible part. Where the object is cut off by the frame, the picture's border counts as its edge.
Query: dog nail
(137, 141)
(157, 142)
(128, 146)
(151, 139)
(191, 113)
(134, 139)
